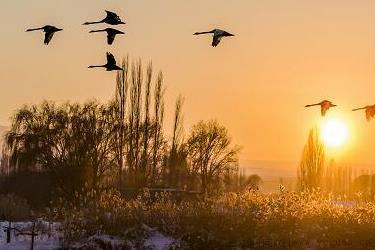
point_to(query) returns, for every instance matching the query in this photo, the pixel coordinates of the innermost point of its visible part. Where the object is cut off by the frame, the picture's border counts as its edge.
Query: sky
(285, 54)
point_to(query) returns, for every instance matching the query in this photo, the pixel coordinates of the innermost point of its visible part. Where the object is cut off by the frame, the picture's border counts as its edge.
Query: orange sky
(285, 54)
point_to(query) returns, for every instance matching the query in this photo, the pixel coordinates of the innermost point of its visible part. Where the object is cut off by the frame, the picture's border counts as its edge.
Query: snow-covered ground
(49, 237)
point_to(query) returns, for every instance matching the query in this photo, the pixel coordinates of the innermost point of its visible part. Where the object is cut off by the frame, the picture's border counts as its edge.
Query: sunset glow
(334, 133)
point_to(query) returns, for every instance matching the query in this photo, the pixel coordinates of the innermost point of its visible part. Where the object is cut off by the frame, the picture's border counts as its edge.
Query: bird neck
(87, 23)
(97, 31)
(34, 29)
(98, 66)
(205, 32)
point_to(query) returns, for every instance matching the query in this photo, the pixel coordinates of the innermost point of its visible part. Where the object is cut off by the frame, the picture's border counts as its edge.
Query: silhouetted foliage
(72, 142)
(210, 153)
(311, 169)
(177, 162)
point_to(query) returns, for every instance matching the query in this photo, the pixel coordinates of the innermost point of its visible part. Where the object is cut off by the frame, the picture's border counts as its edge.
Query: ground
(153, 239)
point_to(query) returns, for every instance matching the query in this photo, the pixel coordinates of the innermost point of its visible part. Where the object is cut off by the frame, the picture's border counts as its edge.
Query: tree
(210, 153)
(141, 144)
(177, 154)
(311, 169)
(75, 143)
(122, 86)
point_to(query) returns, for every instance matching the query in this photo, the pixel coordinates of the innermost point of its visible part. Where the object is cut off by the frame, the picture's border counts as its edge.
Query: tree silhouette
(312, 163)
(210, 152)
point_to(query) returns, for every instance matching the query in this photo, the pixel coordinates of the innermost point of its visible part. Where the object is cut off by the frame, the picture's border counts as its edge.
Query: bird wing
(368, 114)
(110, 37)
(372, 112)
(216, 40)
(323, 110)
(111, 59)
(47, 37)
(112, 15)
(218, 32)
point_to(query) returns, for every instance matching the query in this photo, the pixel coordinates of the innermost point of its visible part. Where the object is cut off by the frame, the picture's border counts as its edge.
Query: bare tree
(177, 140)
(122, 85)
(146, 124)
(158, 123)
(210, 152)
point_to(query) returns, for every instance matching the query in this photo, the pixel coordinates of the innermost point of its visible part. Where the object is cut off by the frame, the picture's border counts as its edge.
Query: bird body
(369, 110)
(111, 18)
(110, 65)
(111, 34)
(218, 34)
(324, 106)
(49, 31)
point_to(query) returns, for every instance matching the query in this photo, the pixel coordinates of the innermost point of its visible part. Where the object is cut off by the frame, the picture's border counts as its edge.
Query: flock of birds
(326, 105)
(217, 35)
(113, 19)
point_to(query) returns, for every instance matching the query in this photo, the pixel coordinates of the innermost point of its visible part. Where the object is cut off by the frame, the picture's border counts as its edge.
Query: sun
(334, 133)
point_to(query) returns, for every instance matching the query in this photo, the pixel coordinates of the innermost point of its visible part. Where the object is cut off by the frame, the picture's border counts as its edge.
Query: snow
(153, 239)
(93, 242)
(158, 241)
(21, 242)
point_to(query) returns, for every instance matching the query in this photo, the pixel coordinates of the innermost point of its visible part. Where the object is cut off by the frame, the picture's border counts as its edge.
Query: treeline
(120, 144)
(316, 172)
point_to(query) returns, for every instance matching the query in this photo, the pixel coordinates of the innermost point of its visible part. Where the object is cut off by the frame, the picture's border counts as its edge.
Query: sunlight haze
(285, 54)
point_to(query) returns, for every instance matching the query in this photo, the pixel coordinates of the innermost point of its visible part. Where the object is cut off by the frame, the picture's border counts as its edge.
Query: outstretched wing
(112, 15)
(216, 40)
(111, 59)
(368, 114)
(47, 37)
(323, 110)
(110, 38)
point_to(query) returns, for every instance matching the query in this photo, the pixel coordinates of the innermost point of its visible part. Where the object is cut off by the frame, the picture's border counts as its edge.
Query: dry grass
(230, 220)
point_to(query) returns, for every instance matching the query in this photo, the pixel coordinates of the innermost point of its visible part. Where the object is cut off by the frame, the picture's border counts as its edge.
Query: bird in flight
(370, 111)
(217, 35)
(49, 31)
(110, 65)
(324, 106)
(111, 18)
(111, 34)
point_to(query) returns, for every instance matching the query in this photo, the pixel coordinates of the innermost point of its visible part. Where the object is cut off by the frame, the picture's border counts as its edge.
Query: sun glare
(334, 133)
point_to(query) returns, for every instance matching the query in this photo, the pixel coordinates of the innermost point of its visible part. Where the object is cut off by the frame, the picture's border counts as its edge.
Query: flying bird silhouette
(217, 35)
(111, 18)
(324, 106)
(111, 34)
(110, 65)
(370, 111)
(49, 31)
